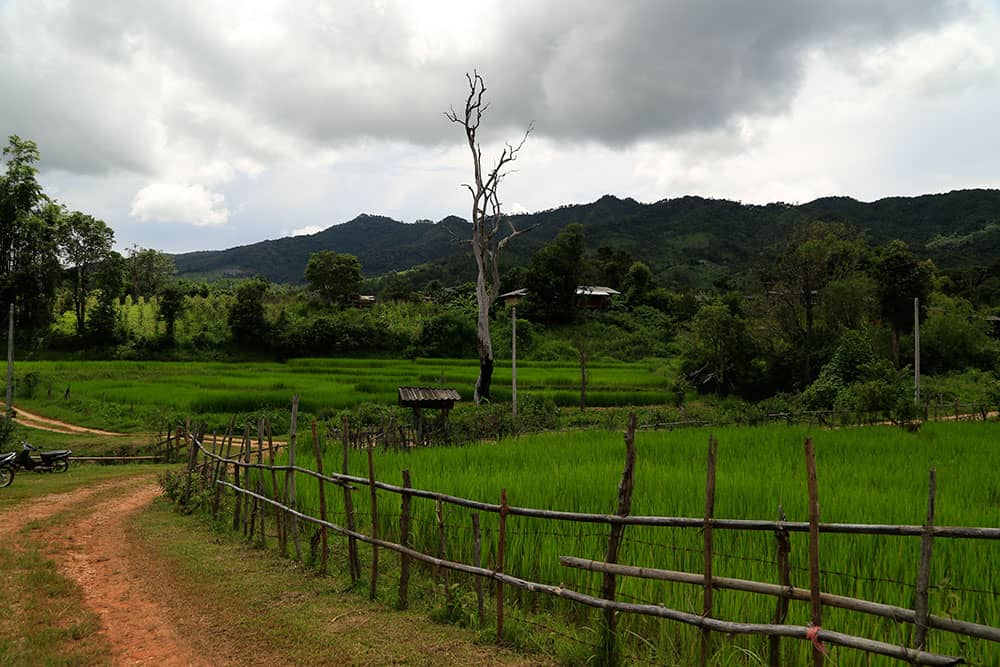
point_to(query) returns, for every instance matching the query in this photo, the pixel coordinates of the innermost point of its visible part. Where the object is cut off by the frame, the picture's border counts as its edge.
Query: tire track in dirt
(39, 509)
(137, 625)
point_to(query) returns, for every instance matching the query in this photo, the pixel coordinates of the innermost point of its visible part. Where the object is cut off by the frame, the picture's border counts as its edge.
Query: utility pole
(513, 360)
(916, 351)
(10, 363)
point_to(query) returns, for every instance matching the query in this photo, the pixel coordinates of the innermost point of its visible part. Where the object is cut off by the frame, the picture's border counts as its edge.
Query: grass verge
(293, 615)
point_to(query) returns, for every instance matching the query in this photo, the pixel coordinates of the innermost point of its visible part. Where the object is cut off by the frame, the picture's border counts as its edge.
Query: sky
(204, 124)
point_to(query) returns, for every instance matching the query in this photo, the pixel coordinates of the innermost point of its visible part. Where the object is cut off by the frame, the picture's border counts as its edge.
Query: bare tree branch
(488, 238)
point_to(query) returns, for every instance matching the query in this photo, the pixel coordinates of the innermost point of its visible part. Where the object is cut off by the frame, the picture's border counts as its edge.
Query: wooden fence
(249, 514)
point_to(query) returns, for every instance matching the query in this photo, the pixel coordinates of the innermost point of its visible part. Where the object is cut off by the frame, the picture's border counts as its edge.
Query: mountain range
(687, 241)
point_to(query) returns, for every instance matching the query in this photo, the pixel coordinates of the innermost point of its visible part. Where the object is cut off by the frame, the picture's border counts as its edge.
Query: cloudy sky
(194, 124)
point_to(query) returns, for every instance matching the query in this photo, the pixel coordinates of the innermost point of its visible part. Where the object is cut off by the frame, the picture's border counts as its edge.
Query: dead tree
(491, 230)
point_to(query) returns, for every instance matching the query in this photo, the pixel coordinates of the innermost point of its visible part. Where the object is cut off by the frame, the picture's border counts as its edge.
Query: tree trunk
(484, 342)
(894, 341)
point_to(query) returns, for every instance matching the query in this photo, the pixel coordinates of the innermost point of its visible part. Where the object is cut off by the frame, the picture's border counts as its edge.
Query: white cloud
(252, 118)
(177, 202)
(308, 229)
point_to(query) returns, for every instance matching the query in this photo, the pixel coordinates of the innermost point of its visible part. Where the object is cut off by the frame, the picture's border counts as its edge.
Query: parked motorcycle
(55, 461)
(6, 469)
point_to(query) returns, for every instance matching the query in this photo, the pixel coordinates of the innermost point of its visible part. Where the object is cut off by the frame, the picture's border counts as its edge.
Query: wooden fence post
(713, 446)
(501, 548)
(443, 552)
(192, 459)
(352, 544)
(220, 470)
(921, 606)
(279, 516)
(477, 560)
(608, 648)
(785, 579)
(325, 549)
(250, 501)
(404, 539)
(372, 589)
(238, 505)
(814, 582)
(262, 506)
(293, 521)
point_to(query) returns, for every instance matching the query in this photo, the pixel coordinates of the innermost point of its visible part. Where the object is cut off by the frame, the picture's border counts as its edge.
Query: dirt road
(92, 550)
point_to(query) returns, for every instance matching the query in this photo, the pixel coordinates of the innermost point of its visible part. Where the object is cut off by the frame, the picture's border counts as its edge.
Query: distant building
(593, 297)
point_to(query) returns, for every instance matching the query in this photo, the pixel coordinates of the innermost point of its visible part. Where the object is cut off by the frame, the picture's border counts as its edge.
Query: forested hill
(688, 241)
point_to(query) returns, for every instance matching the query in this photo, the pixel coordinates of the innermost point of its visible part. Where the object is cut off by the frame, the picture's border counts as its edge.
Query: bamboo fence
(287, 516)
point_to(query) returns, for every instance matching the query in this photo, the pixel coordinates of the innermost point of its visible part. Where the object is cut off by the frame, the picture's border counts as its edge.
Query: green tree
(335, 277)
(170, 305)
(396, 287)
(85, 243)
(553, 276)
(817, 255)
(147, 270)
(637, 284)
(716, 345)
(246, 316)
(29, 251)
(955, 336)
(103, 326)
(900, 277)
(610, 265)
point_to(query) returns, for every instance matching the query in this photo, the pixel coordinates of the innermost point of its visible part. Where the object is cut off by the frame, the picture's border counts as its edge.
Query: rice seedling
(870, 475)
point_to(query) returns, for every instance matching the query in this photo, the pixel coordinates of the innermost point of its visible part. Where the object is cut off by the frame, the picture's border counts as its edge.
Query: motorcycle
(6, 469)
(55, 461)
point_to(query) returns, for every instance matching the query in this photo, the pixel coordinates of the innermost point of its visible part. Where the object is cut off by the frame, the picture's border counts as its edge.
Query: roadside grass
(44, 622)
(290, 611)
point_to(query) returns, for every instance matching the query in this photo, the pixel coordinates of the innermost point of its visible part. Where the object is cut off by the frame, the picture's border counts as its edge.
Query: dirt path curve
(91, 550)
(114, 586)
(26, 418)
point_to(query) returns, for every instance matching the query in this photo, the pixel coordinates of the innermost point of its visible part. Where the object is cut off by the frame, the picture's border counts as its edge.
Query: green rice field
(129, 396)
(868, 475)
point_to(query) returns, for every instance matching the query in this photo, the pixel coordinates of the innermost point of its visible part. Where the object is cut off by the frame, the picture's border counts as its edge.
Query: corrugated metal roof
(418, 394)
(595, 290)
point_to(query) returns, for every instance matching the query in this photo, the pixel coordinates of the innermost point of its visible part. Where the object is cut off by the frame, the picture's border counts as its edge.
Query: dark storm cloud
(126, 78)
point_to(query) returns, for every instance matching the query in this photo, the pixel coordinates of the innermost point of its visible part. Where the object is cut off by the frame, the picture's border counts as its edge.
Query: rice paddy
(129, 396)
(870, 475)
